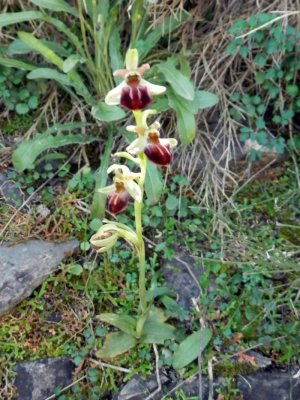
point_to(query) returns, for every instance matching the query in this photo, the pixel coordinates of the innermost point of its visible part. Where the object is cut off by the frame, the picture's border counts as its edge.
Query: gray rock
(24, 267)
(269, 385)
(260, 360)
(138, 388)
(36, 380)
(9, 192)
(264, 385)
(181, 276)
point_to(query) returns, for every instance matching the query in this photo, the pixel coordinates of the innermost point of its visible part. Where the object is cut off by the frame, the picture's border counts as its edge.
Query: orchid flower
(123, 188)
(157, 150)
(134, 93)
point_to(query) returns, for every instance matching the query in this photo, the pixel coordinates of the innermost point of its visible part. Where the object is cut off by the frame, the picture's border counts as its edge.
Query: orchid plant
(133, 93)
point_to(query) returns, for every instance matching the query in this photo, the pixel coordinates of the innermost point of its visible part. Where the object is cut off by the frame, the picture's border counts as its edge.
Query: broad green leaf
(190, 347)
(104, 112)
(125, 323)
(26, 153)
(186, 123)
(56, 5)
(12, 63)
(71, 62)
(17, 17)
(204, 99)
(19, 47)
(49, 73)
(153, 184)
(181, 85)
(41, 48)
(155, 331)
(115, 344)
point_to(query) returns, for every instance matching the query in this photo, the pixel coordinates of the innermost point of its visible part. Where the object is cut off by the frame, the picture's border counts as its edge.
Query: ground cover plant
(237, 223)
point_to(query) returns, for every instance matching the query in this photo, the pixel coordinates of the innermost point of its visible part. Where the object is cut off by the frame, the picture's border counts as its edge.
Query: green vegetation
(250, 285)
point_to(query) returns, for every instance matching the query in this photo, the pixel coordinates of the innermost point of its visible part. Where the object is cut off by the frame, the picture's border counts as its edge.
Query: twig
(210, 380)
(54, 396)
(288, 14)
(156, 373)
(105, 365)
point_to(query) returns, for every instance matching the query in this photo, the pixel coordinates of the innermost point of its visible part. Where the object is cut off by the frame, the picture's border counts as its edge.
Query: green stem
(139, 231)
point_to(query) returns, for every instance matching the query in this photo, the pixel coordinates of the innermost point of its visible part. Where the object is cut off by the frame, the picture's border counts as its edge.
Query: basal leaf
(71, 62)
(155, 331)
(56, 5)
(26, 153)
(12, 63)
(190, 347)
(41, 48)
(17, 17)
(104, 112)
(115, 344)
(19, 47)
(125, 323)
(153, 184)
(49, 73)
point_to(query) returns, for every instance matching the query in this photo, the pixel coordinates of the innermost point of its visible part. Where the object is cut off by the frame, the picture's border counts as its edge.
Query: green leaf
(19, 47)
(190, 347)
(115, 344)
(32, 102)
(104, 112)
(95, 224)
(244, 51)
(153, 184)
(186, 124)
(181, 85)
(49, 73)
(41, 48)
(15, 18)
(26, 153)
(12, 63)
(157, 331)
(71, 62)
(125, 323)
(204, 99)
(23, 94)
(152, 293)
(75, 269)
(22, 108)
(292, 90)
(56, 5)
(260, 60)
(172, 202)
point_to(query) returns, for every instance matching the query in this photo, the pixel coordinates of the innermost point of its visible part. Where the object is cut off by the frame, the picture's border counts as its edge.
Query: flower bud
(104, 239)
